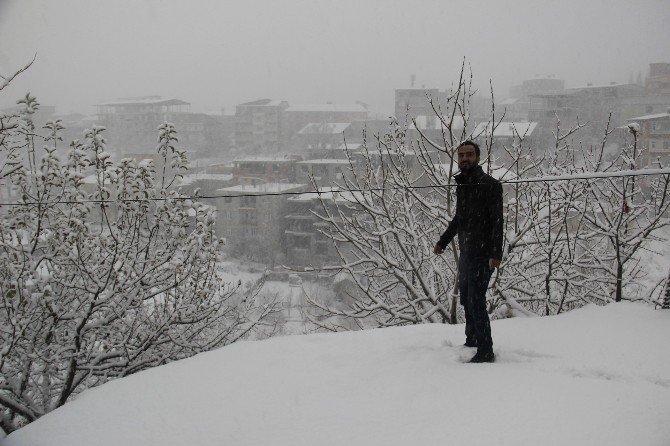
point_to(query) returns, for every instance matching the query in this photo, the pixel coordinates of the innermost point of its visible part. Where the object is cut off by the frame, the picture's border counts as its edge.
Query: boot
(483, 356)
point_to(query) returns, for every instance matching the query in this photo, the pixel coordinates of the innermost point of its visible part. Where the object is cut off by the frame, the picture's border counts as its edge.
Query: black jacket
(479, 216)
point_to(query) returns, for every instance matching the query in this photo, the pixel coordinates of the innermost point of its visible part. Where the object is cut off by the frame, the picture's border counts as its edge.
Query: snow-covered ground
(593, 376)
(292, 299)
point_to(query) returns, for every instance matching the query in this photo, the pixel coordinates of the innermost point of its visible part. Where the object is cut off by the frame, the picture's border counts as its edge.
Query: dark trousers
(474, 274)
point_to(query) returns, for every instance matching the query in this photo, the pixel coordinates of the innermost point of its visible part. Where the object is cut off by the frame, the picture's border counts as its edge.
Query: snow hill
(594, 376)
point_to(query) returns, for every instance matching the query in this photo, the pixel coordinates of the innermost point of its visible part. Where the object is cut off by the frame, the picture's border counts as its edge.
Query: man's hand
(494, 263)
(438, 249)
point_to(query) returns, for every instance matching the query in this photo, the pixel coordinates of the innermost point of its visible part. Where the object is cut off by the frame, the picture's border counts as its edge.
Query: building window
(249, 201)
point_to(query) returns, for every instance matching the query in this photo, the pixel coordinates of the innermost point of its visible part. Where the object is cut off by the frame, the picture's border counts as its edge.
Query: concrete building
(320, 135)
(413, 102)
(590, 105)
(132, 124)
(434, 127)
(539, 85)
(644, 105)
(658, 81)
(333, 152)
(517, 106)
(259, 126)
(324, 171)
(206, 183)
(656, 96)
(251, 218)
(654, 138)
(306, 244)
(505, 134)
(268, 169)
(297, 117)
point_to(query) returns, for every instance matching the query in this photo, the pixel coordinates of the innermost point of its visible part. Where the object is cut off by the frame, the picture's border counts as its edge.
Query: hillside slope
(594, 376)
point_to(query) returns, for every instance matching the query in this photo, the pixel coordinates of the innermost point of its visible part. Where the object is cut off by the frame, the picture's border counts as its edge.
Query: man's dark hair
(470, 143)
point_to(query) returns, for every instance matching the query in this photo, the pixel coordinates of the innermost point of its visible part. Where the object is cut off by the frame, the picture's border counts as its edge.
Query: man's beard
(466, 166)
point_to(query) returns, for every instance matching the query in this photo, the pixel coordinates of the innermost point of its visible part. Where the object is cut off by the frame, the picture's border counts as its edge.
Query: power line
(547, 179)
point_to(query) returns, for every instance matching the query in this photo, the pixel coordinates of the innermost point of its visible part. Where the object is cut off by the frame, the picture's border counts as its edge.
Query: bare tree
(105, 269)
(622, 215)
(386, 221)
(571, 237)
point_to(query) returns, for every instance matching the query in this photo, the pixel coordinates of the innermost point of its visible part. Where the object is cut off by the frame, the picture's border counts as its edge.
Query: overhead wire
(553, 178)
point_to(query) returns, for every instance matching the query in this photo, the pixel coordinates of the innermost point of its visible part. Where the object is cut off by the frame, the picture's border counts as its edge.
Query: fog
(216, 54)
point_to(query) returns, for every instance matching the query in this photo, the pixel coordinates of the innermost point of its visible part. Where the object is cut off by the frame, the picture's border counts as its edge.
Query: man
(479, 224)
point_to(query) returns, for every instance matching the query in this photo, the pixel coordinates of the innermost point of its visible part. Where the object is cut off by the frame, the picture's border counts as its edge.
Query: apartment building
(306, 244)
(654, 138)
(259, 126)
(251, 218)
(505, 134)
(264, 169)
(320, 135)
(297, 117)
(324, 171)
(658, 81)
(589, 105)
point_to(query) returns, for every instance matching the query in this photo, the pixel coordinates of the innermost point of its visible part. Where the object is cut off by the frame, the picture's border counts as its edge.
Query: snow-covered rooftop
(648, 117)
(209, 162)
(261, 188)
(262, 103)
(610, 85)
(316, 128)
(265, 159)
(328, 194)
(192, 178)
(350, 146)
(145, 100)
(327, 108)
(325, 161)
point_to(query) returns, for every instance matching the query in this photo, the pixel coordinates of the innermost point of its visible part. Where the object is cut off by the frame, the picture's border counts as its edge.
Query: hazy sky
(218, 53)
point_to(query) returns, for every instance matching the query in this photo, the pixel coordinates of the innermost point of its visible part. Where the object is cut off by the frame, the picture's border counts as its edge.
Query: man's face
(467, 158)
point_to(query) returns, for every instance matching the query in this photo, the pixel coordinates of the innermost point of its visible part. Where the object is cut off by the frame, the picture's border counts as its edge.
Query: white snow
(187, 180)
(331, 128)
(261, 188)
(337, 161)
(350, 108)
(593, 376)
